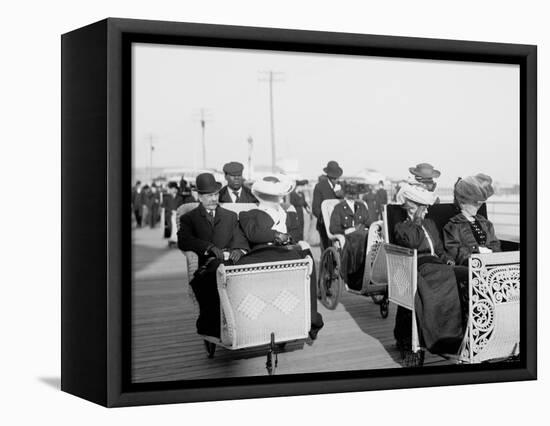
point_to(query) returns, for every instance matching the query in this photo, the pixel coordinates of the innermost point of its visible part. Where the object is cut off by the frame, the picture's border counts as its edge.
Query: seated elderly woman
(351, 219)
(437, 301)
(469, 232)
(272, 232)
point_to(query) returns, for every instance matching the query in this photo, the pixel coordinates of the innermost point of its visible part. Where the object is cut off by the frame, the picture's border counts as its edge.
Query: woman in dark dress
(437, 300)
(468, 232)
(273, 233)
(351, 219)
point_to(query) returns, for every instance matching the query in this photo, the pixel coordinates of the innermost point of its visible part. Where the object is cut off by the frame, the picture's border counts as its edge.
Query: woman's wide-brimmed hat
(206, 184)
(474, 189)
(333, 170)
(424, 171)
(415, 193)
(273, 186)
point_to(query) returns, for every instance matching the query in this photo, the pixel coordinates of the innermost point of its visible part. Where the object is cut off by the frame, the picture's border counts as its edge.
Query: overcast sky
(364, 112)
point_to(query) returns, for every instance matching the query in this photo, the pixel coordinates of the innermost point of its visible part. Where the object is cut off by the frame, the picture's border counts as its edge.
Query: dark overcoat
(198, 234)
(460, 241)
(246, 196)
(322, 191)
(343, 217)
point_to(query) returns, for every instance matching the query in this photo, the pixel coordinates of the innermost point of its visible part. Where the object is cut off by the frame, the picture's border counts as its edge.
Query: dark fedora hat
(333, 170)
(206, 184)
(425, 171)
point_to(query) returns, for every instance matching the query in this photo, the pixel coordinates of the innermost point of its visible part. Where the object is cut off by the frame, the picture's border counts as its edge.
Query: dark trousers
(153, 215)
(206, 291)
(323, 235)
(137, 214)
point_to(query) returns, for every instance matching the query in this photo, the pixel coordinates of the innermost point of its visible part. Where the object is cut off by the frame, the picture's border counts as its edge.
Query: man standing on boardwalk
(381, 199)
(210, 230)
(326, 189)
(235, 191)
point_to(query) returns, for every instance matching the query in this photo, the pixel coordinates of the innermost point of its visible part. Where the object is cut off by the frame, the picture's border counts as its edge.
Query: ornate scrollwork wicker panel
(493, 323)
(259, 299)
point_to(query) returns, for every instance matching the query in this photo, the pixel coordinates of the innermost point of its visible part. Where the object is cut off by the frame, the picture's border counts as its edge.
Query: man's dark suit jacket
(343, 217)
(246, 196)
(197, 234)
(322, 191)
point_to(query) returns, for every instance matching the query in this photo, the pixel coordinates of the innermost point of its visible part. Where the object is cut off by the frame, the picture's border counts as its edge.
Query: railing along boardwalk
(165, 345)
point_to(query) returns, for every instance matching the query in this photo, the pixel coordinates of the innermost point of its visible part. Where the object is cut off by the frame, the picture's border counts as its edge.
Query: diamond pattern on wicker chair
(286, 302)
(251, 306)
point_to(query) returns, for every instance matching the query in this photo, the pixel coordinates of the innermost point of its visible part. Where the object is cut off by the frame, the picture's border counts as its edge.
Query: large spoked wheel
(210, 348)
(330, 281)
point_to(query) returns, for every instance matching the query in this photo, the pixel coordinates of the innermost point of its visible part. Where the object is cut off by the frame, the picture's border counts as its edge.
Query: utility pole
(271, 78)
(250, 153)
(203, 119)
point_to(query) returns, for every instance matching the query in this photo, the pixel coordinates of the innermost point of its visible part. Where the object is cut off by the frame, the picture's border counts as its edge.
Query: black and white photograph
(297, 212)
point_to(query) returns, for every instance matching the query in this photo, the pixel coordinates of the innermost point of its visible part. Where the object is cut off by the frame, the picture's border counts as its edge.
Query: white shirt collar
(351, 204)
(232, 195)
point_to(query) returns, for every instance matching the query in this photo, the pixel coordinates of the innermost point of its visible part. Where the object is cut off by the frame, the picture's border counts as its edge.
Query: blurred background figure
(235, 191)
(137, 203)
(298, 200)
(185, 192)
(370, 199)
(381, 199)
(153, 205)
(171, 202)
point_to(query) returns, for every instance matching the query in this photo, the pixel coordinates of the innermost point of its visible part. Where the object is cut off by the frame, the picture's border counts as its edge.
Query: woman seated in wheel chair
(272, 231)
(437, 300)
(467, 232)
(351, 219)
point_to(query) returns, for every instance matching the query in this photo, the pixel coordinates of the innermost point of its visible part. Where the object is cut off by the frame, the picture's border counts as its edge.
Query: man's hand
(360, 227)
(235, 255)
(216, 252)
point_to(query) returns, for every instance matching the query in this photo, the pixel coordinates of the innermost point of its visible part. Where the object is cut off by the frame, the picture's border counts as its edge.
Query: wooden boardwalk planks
(165, 345)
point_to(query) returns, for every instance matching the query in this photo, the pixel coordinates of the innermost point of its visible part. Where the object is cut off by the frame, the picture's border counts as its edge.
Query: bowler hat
(333, 170)
(233, 168)
(424, 171)
(206, 184)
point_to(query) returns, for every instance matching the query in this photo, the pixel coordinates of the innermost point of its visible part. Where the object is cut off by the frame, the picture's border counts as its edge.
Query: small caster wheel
(384, 309)
(210, 348)
(414, 359)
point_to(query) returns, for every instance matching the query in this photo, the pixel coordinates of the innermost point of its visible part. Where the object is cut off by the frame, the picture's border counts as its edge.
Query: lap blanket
(438, 309)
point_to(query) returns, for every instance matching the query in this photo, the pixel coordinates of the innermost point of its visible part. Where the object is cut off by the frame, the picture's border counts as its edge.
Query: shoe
(314, 332)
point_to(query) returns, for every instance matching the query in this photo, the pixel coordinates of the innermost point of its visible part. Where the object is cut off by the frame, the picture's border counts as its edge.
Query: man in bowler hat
(235, 191)
(326, 189)
(212, 232)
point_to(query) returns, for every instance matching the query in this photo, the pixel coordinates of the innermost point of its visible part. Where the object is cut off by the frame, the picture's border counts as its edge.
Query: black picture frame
(96, 262)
